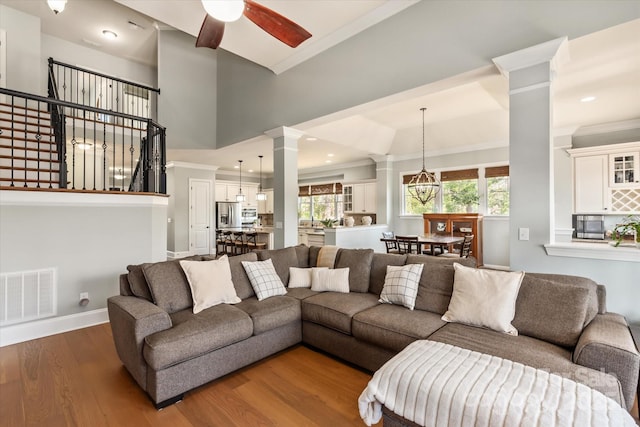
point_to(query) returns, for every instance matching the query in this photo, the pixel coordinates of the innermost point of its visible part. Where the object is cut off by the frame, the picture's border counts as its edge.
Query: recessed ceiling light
(330, 155)
(327, 161)
(250, 170)
(236, 167)
(588, 99)
(108, 34)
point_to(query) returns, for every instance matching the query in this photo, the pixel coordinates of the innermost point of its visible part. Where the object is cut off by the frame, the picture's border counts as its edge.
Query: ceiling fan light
(224, 10)
(57, 5)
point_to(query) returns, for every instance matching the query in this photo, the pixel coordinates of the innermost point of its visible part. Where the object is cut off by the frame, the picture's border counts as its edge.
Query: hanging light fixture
(240, 197)
(261, 195)
(57, 5)
(424, 186)
(224, 10)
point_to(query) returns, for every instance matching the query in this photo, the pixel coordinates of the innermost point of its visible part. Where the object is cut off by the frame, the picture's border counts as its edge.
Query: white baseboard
(43, 328)
(175, 255)
(497, 267)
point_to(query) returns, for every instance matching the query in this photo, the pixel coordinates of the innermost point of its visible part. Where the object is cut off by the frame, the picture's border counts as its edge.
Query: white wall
(23, 50)
(89, 238)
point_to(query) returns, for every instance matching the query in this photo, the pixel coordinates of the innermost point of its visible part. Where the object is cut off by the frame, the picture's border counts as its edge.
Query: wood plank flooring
(76, 379)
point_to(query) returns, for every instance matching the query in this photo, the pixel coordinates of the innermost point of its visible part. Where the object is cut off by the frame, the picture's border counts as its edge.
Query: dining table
(432, 240)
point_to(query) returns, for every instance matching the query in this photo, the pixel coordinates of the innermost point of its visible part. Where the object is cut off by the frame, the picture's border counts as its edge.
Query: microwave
(249, 215)
(589, 226)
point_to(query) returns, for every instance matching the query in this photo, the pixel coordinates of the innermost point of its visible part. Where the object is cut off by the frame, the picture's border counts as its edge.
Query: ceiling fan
(221, 11)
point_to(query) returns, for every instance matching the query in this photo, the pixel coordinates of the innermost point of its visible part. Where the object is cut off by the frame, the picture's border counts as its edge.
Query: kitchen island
(359, 236)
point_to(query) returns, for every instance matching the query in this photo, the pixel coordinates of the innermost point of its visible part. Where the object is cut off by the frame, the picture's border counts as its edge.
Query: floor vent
(27, 295)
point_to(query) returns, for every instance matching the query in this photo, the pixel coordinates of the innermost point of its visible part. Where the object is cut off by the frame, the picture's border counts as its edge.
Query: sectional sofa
(562, 322)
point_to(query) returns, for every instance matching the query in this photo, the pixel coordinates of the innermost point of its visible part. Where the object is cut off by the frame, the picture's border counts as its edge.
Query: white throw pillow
(401, 285)
(301, 277)
(210, 283)
(264, 279)
(330, 280)
(484, 298)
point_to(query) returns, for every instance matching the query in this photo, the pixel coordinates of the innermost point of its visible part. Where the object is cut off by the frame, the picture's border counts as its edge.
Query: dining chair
(407, 244)
(390, 242)
(464, 251)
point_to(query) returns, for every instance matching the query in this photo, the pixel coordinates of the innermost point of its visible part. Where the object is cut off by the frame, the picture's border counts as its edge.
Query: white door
(199, 216)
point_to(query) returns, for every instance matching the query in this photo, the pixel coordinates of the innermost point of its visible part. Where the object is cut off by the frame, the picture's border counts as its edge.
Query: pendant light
(424, 186)
(240, 197)
(261, 195)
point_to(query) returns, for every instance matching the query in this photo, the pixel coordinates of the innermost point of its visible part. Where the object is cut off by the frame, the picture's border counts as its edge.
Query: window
(497, 190)
(318, 202)
(411, 205)
(460, 191)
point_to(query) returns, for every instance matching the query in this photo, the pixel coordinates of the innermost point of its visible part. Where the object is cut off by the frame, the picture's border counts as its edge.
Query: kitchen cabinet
(250, 192)
(227, 191)
(590, 189)
(457, 224)
(266, 206)
(360, 198)
(606, 179)
(303, 238)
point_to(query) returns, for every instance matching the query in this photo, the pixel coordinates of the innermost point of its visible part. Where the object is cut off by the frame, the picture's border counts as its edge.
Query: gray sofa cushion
(394, 327)
(137, 282)
(195, 334)
(282, 259)
(335, 310)
(436, 287)
(270, 313)
(303, 256)
(528, 351)
(379, 265)
(359, 263)
(169, 286)
(300, 293)
(313, 255)
(551, 311)
(239, 276)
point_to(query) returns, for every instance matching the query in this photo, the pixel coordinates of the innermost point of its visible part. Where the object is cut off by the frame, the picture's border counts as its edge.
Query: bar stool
(220, 246)
(252, 242)
(228, 242)
(240, 244)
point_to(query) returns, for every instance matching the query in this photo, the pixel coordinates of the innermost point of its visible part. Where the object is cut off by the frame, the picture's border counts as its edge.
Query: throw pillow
(300, 277)
(210, 283)
(264, 279)
(484, 298)
(401, 285)
(327, 256)
(330, 280)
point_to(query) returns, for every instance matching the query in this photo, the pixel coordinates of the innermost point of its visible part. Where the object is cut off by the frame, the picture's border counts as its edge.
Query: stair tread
(21, 107)
(19, 168)
(18, 148)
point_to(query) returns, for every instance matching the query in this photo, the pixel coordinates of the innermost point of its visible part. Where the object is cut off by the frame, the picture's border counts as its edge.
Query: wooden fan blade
(288, 32)
(210, 33)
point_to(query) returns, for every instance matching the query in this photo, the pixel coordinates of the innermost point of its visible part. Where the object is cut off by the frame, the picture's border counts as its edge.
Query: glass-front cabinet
(624, 168)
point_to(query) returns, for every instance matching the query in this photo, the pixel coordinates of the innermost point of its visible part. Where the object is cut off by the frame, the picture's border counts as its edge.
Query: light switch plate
(523, 233)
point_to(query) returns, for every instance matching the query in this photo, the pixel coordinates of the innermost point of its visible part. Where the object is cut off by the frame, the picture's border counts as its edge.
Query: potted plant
(328, 223)
(629, 225)
(465, 196)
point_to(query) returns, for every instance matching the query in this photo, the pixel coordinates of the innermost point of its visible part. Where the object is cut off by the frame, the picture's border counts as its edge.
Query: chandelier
(424, 186)
(261, 195)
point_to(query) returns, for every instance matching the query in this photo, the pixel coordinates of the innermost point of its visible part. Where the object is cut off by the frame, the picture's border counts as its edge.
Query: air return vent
(27, 295)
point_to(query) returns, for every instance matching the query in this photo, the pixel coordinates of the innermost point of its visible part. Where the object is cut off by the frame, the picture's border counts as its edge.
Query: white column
(384, 189)
(531, 72)
(285, 185)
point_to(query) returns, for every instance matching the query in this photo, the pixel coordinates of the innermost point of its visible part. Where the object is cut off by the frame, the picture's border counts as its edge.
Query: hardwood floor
(76, 379)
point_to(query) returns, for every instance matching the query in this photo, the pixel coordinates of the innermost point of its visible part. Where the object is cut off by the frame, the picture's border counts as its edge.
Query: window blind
(496, 171)
(459, 175)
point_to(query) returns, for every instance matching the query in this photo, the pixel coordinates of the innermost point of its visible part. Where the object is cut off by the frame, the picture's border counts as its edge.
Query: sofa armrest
(606, 345)
(132, 320)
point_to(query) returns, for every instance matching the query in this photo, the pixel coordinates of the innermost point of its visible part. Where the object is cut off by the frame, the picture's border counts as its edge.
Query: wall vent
(27, 295)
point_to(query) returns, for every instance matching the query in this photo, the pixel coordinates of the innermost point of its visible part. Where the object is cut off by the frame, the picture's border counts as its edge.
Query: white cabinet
(250, 194)
(266, 206)
(360, 198)
(607, 179)
(590, 177)
(623, 169)
(227, 191)
(303, 238)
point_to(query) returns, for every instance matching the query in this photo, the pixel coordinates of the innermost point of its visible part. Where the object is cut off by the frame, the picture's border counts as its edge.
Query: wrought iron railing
(88, 148)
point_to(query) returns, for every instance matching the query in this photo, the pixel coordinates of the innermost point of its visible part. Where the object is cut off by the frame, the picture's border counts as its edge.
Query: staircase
(28, 154)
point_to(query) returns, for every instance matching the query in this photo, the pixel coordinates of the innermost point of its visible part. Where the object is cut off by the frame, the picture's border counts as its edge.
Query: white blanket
(437, 385)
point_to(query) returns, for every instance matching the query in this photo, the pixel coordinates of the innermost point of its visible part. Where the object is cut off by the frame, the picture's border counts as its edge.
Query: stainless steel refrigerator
(228, 215)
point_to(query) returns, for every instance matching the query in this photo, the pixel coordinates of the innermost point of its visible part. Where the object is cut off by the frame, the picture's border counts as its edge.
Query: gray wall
(90, 244)
(23, 50)
(427, 42)
(188, 99)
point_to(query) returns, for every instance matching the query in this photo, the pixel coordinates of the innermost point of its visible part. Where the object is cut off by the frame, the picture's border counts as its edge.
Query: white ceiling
(464, 112)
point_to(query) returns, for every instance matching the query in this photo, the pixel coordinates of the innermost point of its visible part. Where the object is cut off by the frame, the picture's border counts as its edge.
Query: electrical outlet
(84, 295)
(523, 233)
